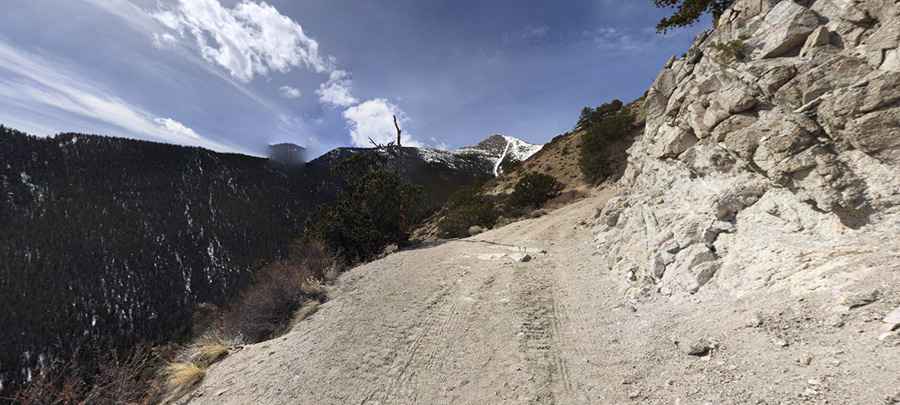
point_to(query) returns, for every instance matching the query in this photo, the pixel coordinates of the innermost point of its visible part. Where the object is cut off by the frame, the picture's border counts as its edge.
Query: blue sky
(237, 75)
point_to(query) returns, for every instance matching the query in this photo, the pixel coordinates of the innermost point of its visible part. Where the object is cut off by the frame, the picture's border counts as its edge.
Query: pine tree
(689, 12)
(584, 120)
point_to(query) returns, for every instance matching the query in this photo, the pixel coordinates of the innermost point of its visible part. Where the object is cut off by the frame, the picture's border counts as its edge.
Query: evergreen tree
(584, 119)
(688, 12)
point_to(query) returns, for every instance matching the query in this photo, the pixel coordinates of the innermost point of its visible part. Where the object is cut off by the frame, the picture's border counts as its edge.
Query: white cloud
(176, 128)
(247, 40)
(290, 92)
(374, 119)
(164, 41)
(41, 85)
(336, 91)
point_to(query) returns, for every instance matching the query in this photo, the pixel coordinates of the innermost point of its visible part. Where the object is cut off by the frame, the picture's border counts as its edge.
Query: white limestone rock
(785, 29)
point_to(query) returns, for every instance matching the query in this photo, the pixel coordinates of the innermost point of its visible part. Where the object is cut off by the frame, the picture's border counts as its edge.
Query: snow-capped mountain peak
(502, 148)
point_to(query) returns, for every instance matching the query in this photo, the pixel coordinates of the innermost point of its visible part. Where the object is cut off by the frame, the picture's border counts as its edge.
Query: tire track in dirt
(539, 335)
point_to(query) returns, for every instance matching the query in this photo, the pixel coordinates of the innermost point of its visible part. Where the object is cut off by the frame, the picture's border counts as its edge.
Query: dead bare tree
(399, 131)
(389, 145)
(392, 149)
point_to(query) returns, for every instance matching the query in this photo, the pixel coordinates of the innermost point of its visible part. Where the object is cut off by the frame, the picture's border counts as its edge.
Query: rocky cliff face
(770, 157)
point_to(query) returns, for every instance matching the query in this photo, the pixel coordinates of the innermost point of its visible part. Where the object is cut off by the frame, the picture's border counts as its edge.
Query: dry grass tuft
(180, 377)
(205, 354)
(312, 287)
(308, 309)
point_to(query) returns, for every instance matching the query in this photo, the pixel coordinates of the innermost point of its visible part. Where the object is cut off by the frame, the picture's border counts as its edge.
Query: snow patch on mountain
(500, 148)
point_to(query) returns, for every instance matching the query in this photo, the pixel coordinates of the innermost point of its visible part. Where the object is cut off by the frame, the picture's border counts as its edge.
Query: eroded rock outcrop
(769, 149)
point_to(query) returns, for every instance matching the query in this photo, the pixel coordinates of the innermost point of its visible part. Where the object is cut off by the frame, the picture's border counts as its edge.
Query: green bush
(729, 52)
(376, 207)
(602, 127)
(533, 190)
(465, 208)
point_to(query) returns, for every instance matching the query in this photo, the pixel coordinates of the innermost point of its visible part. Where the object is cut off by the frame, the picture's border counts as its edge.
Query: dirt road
(464, 322)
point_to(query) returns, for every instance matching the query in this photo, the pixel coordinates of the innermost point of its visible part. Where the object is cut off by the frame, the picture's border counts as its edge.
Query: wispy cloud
(290, 92)
(617, 39)
(37, 83)
(143, 22)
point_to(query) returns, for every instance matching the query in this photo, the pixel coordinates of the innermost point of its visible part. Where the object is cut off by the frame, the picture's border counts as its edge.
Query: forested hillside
(107, 242)
(111, 241)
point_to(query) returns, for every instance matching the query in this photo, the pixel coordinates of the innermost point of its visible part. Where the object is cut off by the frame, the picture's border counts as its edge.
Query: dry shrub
(181, 377)
(207, 354)
(332, 273)
(112, 379)
(265, 309)
(308, 309)
(312, 288)
(314, 255)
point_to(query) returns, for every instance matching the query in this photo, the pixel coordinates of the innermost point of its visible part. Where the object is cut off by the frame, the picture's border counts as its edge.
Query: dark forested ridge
(105, 242)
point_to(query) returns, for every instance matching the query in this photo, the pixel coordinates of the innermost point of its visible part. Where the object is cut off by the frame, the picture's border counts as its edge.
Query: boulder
(390, 249)
(860, 299)
(878, 134)
(693, 267)
(786, 134)
(520, 257)
(696, 114)
(726, 103)
(819, 38)
(776, 77)
(672, 141)
(475, 230)
(698, 347)
(881, 47)
(731, 125)
(785, 29)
